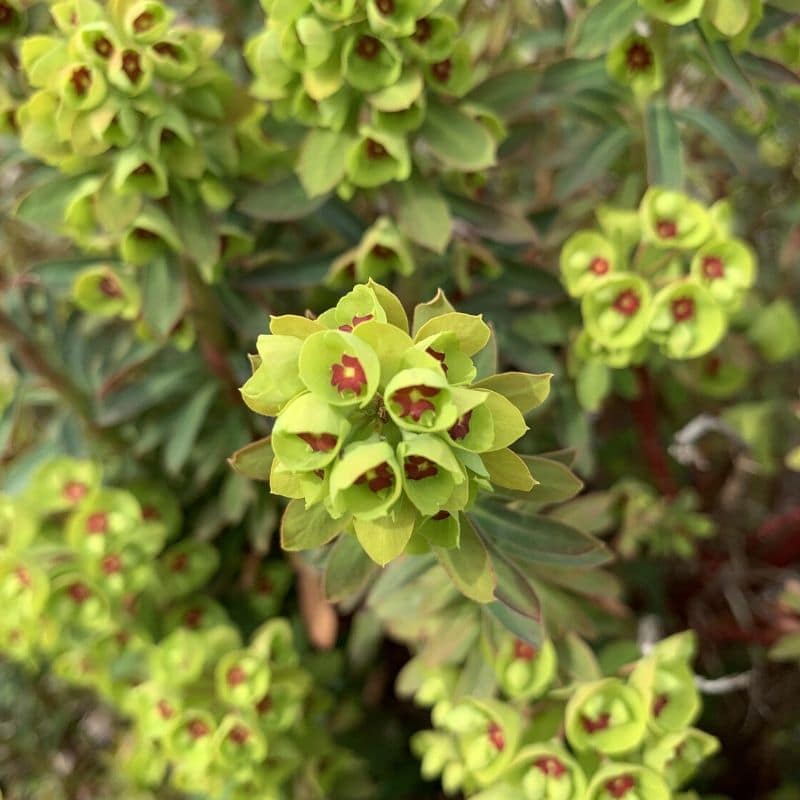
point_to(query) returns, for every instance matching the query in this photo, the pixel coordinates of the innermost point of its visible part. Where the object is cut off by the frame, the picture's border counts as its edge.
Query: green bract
(617, 311)
(524, 671)
(606, 716)
(676, 12)
(631, 781)
(637, 62)
(586, 258)
(670, 219)
(380, 430)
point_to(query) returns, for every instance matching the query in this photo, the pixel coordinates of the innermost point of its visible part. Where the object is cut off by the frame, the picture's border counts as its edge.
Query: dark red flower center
(197, 729)
(496, 737)
(368, 47)
(110, 287)
(165, 709)
(179, 563)
(377, 479)
(550, 766)
(75, 491)
(111, 564)
(143, 22)
(264, 585)
(423, 31)
(264, 705)
(439, 357)
(683, 309)
(381, 251)
(385, 6)
(441, 70)
(418, 467)
(322, 443)
(235, 676)
(599, 723)
(621, 785)
(151, 513)
(103, 47)
(167, 49)
(412, 401)
(6, 14)
(460, 430)
(144, 235)
(81, 80)
(441, 515)
(376, 150)
(23, 576)
(524, 651)
(667, 228)
(627, 302)
(660, 702)
(355, 322)
(239, 734)
(132, 65)
(713, 366)
(638, 56)
(97, 522)
(713, 267)
(144, 170)
(193, 618)
(349, 376)
(79, 592)
(599, 265)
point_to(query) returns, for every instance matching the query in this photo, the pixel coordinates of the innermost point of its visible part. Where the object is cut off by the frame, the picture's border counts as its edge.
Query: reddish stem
(645, 416)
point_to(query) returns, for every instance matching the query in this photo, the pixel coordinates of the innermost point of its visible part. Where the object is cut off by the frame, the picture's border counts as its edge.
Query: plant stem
(645, 417)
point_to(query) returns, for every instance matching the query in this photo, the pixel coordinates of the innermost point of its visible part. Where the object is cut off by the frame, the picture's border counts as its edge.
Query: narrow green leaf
(599, 156)
(525, 628)
(254, 460)
(304, 529)
(281, 201)
(491, 222)
(162, 295)
(348, 569)
(184, 432)
(524, 389)
(556, 481)
(45, 205)
(601, 26)
(321, 164)
(733, 143)
(423, 215)
(457, 140)
(469, 565)
(664, 148)
(513, 588)
(384, 539)
(507, 469)
(424, 312)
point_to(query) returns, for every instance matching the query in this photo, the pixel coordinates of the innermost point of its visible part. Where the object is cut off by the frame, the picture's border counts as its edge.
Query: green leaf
(521, 626)
(386, 538)
(602, 26)
(348, 569)
(664, 148)
(321, 164)
(162, 295)
(730, 71)
(424, 312)
(507, 469)
(556, 481)
(524, 389)
(497, 224)
(423, 215)
(593, 384)
(738, 149)
(281, 201)
(254, 460)
(469, 565)
(184, 432)
(594, 162)
(513, 589)
(304, 529)
(45, 205)
(523, 537)
(457, 140)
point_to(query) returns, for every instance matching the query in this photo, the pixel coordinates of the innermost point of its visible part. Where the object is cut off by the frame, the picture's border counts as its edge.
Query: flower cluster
(669, 275)
(367, 75)
(387, 431)
(151, 130)
(597, 739)
(89, 588)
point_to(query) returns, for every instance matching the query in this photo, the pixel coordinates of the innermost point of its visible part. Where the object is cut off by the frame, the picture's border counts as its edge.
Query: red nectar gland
(442, 69)
(683, 309)
(111, 564)
(439, 357)
(197, 729)
(375, 150)
(377, 479)
(660, 702)
(627, 303)
(667, 228)
(75, 491)
(385, 6)
(460, 430)
(81, 80)
(193, 618)
(423, 31)
(599, 723)
(235, 676)
(639, 57)
(179, 563)
(368, 47)
(713, 267)
(79, 592)
(143, 22)
(349, 376)
(599, 265)
(496, 737)
(168, 50)
(103, 47)
(165, 709)
(621, 785)
(550, 766)
(418, 468)
(97, 522)
(524, 651)
(322, 443)
(439, 516)
(132, 66)
(348, 327)
(239, 734)
(412, 401)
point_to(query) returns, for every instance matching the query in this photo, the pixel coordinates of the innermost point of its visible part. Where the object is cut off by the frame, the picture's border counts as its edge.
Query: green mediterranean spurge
(371, 79)
(385, 433)
(668, 276)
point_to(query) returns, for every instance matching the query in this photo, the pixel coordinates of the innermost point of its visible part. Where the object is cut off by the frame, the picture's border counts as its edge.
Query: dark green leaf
(348, 570)
(162, 295)
(187, 423)
(598, 157)
(601, 26)
(280, 201)
(664, 148)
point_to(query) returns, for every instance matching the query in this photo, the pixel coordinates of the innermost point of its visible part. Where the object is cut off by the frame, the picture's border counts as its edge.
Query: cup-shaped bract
(616, 311)
(547, 772)
(102, 291)
(675, 12)
(676, 756)
(242, 678)
(586, 258)
(633, 781)
(524, 671)
(636, 61)
(420, 400)
(686, 320)
(376, 158)
(366, 480)
(672, 220)
(606, 716)
(431, 474)
(370, 63)
(727, 268)
(276, 379)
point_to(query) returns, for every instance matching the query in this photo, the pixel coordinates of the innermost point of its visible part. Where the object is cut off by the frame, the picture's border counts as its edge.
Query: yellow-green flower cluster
(669, 275)
(386, 432)
(89, 587)
(601, 739)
